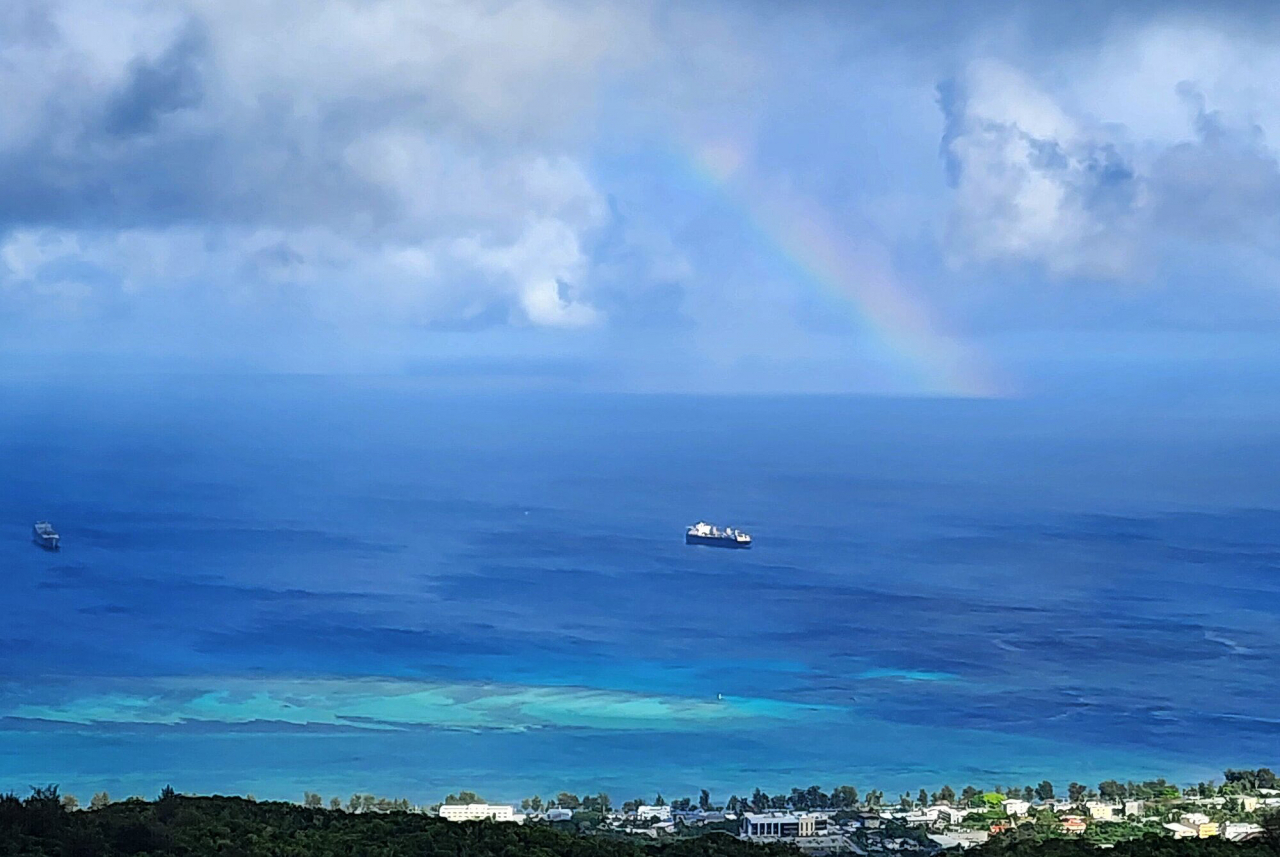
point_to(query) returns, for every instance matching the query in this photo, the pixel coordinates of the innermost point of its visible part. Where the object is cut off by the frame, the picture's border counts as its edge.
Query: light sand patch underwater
(384, 704)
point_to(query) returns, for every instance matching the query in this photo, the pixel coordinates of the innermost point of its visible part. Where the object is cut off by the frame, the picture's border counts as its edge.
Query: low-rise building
(1237, 830)
(781, 825)
(559, 813)
(970, 838)
(1014, 806)
(479, 812)
(1180, 831)
(965, 839)
(1073, 824)
(1100, 811)
(1200, 823)
(869, 820)
(951, 814)
(1135, 807)
(653, 813)
(1248, 803)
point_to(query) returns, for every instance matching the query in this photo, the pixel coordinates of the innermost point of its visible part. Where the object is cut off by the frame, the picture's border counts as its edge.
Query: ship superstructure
(45, 535)
(703, 533)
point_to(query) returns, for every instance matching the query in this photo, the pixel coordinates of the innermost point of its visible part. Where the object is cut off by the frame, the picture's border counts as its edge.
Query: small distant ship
(703, 533)
(45, 535)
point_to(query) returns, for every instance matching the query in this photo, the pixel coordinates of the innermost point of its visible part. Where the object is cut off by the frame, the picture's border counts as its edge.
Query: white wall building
(1014, 806)
(657, 813)
(479, 812)
(781, 825)
(952, 814)
(1234, 830)
(1100, 811)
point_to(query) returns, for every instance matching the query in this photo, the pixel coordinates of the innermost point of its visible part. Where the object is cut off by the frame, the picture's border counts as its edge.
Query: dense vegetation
(40, 826)
(176, 826)
(1147, 846)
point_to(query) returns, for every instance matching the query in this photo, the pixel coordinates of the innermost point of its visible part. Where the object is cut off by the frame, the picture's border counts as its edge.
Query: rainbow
(862, 278)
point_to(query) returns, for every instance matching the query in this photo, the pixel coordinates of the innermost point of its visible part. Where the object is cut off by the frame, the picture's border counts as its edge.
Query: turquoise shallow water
(278, 585)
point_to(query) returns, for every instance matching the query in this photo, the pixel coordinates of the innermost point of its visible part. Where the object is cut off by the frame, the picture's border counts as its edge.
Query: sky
(978, 200)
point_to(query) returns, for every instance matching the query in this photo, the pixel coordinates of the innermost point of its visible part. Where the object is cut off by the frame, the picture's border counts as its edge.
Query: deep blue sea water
(273, 585)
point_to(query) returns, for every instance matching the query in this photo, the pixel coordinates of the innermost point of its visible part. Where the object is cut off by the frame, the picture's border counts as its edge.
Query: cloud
(1181, 155)
(391, 161)
(1033, 183)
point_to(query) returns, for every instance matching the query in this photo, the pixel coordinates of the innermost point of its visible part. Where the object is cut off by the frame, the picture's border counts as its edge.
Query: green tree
(335, 803)
(704, 800)
(568, 801)
(947, 795)
(658, 801)
(1028, 794)
(844, 797)
(1111, 790)
(70, 803)
(1044, 791)
(1075, 792)
(1270, 824)
(311, 800)
(922, 798)
(100, 800)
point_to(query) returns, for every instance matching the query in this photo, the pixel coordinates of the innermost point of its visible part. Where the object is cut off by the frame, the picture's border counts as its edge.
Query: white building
(657, 813)
(1235, 830)
(559, 813)
(925, 816)
(1135, 807)
(479, 812)
(1014, 806)
(781, 825)
(965, 839)
(1100, 811)
(952, 814)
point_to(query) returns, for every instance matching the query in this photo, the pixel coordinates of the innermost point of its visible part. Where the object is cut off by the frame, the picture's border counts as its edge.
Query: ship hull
(715, 542)
(47, 544)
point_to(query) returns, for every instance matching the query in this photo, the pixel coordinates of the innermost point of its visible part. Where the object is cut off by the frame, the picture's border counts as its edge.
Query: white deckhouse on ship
(703, 533)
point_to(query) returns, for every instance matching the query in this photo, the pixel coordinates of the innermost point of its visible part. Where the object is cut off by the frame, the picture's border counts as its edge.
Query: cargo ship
(703, 533)
(45, 535)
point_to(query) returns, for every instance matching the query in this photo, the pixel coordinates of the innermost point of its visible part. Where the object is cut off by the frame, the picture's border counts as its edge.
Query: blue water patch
(907, 675)
(361, 586)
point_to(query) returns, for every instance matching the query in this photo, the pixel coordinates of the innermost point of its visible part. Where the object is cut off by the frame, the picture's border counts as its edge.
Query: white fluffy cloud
(1163, 136)
(414, 160)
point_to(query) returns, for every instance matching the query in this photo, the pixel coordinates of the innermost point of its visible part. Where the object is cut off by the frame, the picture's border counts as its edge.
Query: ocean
(271, 585)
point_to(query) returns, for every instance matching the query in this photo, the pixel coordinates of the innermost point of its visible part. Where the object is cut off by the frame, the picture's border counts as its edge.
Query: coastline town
(843, 822)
